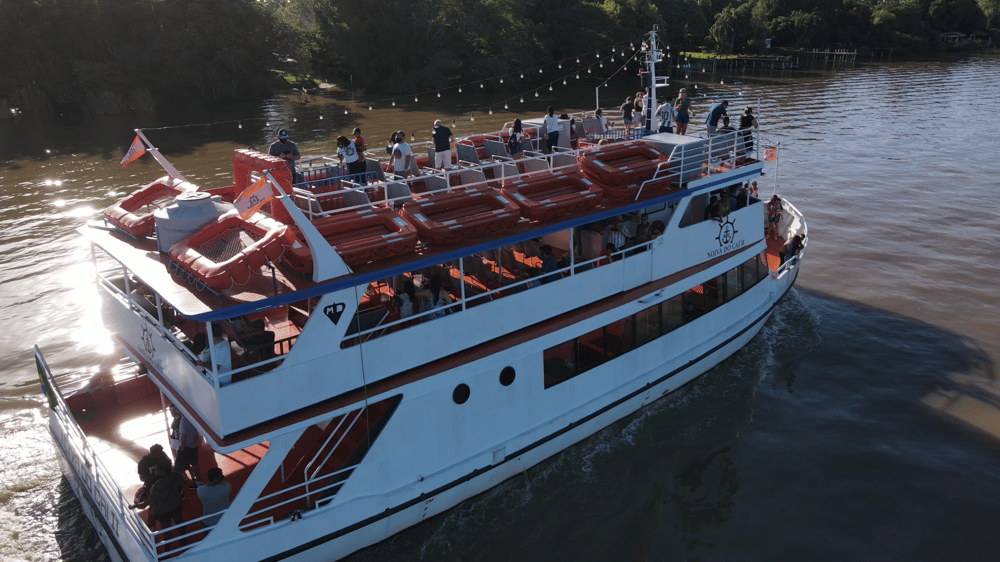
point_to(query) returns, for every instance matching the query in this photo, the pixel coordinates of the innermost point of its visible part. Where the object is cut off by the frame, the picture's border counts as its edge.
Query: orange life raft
(621, 168)
(230, 250)
(359, 237)
(461, 215)
(134, 213)
(547, 195)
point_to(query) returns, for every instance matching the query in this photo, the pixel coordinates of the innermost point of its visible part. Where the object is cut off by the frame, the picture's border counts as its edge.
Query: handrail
(305, 471)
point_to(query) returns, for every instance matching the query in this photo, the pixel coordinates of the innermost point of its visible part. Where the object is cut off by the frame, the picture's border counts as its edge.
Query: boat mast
(653, 56)
(171, 171)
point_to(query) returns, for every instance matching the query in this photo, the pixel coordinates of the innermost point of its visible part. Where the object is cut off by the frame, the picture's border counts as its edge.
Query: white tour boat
(398, 345)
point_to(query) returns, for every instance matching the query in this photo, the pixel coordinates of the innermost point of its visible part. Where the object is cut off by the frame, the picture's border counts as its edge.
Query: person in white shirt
(551, 129)
(666, 114)
(219, 353)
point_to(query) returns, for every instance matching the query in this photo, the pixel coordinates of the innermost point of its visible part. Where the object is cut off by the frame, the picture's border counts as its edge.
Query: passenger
(347, 153)
(359, 143)
(773, 217)
(712, 210)
(550, 264)
(406, 151)
(187, 455)
(724, 208)
(394, 139)
(683, 107)
(286, 150)
(637, 121)
(442, 145)
(690, 311)
(725, 128)
(147, 465)
(574, 135)
(220, 352)
(753, 189)
(515, 144)
(666, 114)
(714, 114)
(748, 124)
(254, 334)
(627, 114)
(199, 343)
(214, 496)
(165, 497)
(617, 234)
(602, 121)
(407, 300)
(737, 197)
(533, 276)
(175, 430)
(437, 298)
(607, 254)
(398, 164)
(643, 230)
(551, 130)
(791, 248)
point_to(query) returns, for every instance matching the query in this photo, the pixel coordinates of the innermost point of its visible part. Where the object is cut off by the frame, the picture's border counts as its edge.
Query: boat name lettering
(726, 249)
(334, 311)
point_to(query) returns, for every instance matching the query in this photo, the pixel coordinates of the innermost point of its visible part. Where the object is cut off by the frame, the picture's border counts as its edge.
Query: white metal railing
(309, 491)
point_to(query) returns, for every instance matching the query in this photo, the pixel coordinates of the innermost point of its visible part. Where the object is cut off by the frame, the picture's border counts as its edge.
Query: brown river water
(815, 442)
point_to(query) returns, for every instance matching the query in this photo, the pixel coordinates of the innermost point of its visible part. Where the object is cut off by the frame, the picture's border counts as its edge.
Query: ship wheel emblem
(727, 232)
(253, 200)
(147, 342)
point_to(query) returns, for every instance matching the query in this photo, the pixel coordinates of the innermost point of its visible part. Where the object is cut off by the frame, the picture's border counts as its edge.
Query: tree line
(116, 56)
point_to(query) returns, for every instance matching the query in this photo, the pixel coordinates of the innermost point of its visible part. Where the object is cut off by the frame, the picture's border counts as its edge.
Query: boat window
(560, 363)
(461, 394)
(712, 293)
(620, 337)
(749, 273)
(732, 283)
(591, 349)
(694, 303)
(673, 313)
(507, 376)
(647, 325)
(762, 268)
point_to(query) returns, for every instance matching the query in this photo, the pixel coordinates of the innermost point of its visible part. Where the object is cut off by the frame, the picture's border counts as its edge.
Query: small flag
(134, 152)
(253, 198)
(771, 154)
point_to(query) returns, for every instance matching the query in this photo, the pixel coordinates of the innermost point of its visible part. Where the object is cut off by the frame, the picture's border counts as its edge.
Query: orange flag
(134, 152)
(771, 154)
(253, 198)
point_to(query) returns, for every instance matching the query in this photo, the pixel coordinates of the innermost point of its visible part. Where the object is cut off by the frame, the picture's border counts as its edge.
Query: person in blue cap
(717, 112)
(286, 150)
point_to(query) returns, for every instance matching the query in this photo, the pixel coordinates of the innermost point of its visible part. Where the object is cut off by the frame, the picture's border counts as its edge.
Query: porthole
(507, 376)
(461, 394)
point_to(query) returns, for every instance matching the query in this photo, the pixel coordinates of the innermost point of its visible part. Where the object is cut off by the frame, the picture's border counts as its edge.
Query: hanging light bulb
(623, 53)
(473, 117)
(577, 75)
(320, 118)
(522, 99)
(491, 111)
(632, 45)
(550, 87)
(536, 93)
(505, 106)
(415, 99)
(439, 94)
(267, 123)
(345, 111)
(369, 107)
(602, 64)
(453, 123)
(722, 81)
(501, 79)
(481, 85)
(394, 103)
(411, 136)
(612, 58)
(560, 65)
(564, 81)
(295, 119)
(588, 70)
(597, 55)
(460, 89)
(539, 70)
(577, 60)
(241, 125)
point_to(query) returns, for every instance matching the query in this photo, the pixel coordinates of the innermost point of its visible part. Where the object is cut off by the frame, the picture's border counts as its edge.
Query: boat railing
(574, 267)
(265, 506)
(91, 472)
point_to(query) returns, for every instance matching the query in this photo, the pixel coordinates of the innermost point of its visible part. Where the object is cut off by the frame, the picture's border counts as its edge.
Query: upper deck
(487, 277)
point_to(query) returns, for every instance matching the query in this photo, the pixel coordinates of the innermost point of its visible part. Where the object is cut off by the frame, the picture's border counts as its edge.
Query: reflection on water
(823, 439)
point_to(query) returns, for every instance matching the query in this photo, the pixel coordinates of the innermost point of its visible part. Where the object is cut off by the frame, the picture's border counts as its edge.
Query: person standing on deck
(683, 108)
(551, 129)
(166, 497)
(147, 465)
(286, 150)
(666, 114)
(442, 145)
(187, 456)
(626, 109)
(214, 496)
(714, 114)
(748, 125)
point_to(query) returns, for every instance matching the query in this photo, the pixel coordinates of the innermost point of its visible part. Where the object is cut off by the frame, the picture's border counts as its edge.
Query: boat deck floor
(123, 421)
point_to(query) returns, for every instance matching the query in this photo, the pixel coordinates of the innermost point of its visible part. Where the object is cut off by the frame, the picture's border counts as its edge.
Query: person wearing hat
(214, 496)
(442, 145)
(148, 463)
(286, 150)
